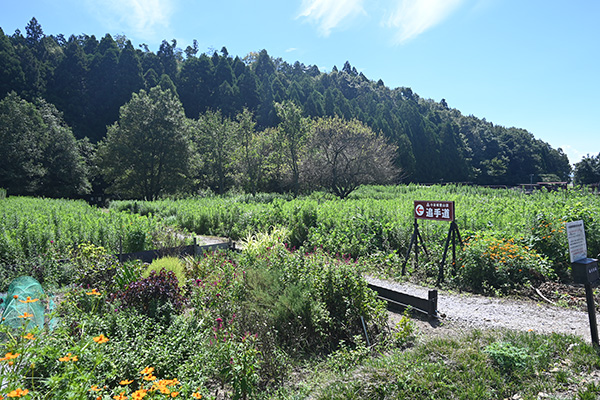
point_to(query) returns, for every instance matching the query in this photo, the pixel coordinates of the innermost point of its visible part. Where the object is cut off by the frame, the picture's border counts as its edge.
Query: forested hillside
(89, 79)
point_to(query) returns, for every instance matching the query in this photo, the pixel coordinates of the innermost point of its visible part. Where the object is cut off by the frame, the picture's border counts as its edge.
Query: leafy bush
(127, 273)
(313, 299)
(488, 263)
(157, 296)
(94, 266)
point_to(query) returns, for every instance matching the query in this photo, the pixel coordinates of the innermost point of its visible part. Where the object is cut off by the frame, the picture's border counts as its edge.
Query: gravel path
(464, 312)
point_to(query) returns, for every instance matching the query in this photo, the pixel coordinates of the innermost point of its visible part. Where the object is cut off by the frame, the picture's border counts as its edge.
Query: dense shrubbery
(247, 318)
(489, 264)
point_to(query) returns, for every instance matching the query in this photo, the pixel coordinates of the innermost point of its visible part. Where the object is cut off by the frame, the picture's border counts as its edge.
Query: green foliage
(377, 222)
(404, 331)
(587, 171)
(89, 80)
(463, 367)
(94, 266)
(317, 300)
(488, 263)
(45, 228)
(169, 264)
(127, 273)
(509, 358)
(147, 153)
(39, 154)
(346, 358)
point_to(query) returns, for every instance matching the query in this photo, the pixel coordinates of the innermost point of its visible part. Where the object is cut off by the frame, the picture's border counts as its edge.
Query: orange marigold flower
(9, 356)
(29, 300)
(196, 395)
(26, 315)
(150, 378)
(29, 336)
(15, 296)
(139, 394)
(125, 382)
(101, 339)
(95, 388)
(94, 292)
(120, 396)
(18, 393)
(68, 358)
(174, 394)
(147, 370)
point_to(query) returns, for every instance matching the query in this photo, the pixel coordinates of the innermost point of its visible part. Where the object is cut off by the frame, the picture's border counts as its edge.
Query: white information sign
(577, 243)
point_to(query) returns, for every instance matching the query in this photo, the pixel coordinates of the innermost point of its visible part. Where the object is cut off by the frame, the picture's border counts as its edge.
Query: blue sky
(531, 64)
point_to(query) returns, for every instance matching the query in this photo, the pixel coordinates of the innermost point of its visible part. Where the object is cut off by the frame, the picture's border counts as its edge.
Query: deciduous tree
(343, 155)
(147, 153)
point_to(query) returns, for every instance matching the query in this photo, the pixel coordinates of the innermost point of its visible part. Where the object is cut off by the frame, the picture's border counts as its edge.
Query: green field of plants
(288, 317)
(379, 220)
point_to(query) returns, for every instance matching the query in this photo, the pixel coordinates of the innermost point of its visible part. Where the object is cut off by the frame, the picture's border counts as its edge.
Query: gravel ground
(460, 313)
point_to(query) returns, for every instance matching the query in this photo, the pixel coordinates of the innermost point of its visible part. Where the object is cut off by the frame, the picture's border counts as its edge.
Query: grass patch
(172, 264)
(480, 365)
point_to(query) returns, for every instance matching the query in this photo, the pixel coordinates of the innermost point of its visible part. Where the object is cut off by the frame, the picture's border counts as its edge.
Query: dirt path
(464, 312)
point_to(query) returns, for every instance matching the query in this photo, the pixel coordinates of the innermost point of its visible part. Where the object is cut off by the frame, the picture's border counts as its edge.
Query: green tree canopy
(587, 171)
(39, 154)
(147, 153)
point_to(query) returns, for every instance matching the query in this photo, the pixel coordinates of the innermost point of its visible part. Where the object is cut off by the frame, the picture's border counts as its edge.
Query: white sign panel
(577, 243)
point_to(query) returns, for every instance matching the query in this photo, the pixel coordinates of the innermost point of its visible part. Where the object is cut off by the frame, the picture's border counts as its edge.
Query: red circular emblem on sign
(420, 210)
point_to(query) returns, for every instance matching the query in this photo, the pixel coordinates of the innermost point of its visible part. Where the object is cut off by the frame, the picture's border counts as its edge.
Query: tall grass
(380, 218)
(32, 226)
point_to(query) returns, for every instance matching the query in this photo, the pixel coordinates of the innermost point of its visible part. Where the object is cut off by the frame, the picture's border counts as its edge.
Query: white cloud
(413, 17)
(291, 49)
(140, 18)
(329, 14)
(575, 154)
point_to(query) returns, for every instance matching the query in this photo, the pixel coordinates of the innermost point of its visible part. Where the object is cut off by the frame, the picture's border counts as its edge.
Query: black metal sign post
(585, 271)
(414, 241)
(453, 233)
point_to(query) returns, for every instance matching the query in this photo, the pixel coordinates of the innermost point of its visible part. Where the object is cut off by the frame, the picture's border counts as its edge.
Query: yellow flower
(95, 388)
(196, 395)
(150, 378)
(125, 382)
(29, 336)
(101, 339)
(29, 300)
(94, 292)
(26, 315)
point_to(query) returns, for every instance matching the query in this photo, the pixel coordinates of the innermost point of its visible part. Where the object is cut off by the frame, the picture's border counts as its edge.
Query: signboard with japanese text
(435, 210)
(576, 239)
